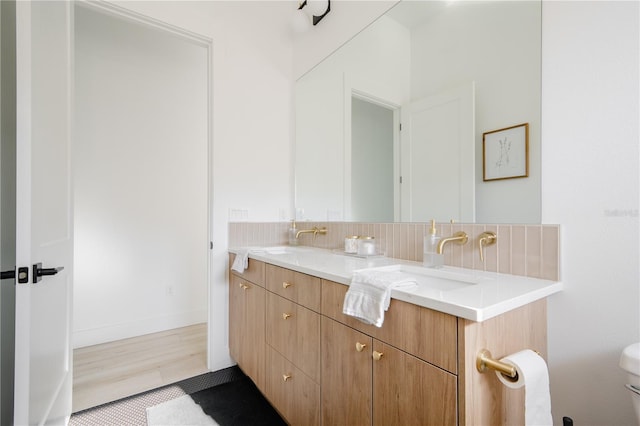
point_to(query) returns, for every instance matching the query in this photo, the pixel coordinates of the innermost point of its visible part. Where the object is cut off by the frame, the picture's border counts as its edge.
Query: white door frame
(375, 93)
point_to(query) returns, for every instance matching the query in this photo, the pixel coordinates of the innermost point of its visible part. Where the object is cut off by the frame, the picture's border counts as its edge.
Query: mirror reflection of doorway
(372, 161)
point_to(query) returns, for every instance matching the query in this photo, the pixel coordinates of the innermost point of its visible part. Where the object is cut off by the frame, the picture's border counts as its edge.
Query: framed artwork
(505, 153)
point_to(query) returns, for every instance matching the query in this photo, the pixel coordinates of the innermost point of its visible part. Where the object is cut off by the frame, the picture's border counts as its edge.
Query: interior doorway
(141, 165)
(373, 161)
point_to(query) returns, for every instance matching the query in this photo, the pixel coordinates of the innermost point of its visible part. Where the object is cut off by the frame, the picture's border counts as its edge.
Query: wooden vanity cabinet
(427, 334)
(247, 314)
(317, 366)
(293, 341)
(366, 381)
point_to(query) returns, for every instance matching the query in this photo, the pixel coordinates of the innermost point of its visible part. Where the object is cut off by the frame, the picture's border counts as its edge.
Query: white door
(43, 357)
(438, 157)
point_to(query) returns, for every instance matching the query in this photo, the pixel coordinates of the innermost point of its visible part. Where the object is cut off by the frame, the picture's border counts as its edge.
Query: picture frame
(505, 153)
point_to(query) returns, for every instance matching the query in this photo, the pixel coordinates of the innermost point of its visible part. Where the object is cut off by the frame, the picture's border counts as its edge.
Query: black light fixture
(315, 10)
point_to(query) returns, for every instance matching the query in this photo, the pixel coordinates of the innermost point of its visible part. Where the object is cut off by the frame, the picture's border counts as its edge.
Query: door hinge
(400, 126)
(400, 179)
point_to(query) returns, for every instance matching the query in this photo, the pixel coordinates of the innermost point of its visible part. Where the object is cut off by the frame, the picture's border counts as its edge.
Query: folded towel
(369, 294)
(241, 262)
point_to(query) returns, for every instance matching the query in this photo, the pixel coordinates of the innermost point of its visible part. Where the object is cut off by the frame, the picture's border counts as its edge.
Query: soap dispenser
(293, 241)
(431, 258)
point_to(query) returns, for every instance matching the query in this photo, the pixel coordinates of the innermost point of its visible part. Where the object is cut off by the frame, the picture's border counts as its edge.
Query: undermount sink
(274, 250)
(443, 279)
(280, 250)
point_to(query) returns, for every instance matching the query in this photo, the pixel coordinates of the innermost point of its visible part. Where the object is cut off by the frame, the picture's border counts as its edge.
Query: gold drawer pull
(360, 346)
(286, 284)
(243, 286)
(286, 377)
(285, 316)
(377, 355)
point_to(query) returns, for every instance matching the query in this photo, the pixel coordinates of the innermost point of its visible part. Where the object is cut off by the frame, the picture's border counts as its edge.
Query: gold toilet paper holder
(484, 363)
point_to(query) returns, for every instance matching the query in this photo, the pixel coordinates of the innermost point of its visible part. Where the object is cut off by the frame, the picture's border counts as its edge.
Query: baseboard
(220, 359)
(112, 332)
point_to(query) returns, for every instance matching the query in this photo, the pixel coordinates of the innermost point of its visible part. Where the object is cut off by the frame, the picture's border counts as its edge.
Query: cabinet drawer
(294, 331)
(255, 271)
(425, 333)
(291, 392)
(301, 288)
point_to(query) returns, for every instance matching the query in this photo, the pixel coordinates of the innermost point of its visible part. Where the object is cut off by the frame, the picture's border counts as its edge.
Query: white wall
(590, 187)
(252, 125)
(590, 161)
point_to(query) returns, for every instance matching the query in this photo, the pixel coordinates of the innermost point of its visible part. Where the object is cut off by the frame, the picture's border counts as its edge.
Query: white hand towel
(369, 294)
(241, 262)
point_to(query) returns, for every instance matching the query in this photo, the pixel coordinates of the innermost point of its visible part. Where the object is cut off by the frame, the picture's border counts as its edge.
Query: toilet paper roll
(534, 377)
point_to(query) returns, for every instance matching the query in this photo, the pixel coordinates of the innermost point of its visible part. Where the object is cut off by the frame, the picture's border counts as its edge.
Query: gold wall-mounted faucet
(458, 238)
(315, 231)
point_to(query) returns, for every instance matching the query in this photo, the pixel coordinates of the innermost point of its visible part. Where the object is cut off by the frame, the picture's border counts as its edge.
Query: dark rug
(237, 403)
(131, 411)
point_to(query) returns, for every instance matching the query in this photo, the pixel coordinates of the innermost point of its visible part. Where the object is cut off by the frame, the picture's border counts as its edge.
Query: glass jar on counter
(351, 244)
(366, 246)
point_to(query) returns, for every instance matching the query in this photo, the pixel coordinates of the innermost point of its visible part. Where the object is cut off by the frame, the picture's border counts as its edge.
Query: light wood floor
(110, 371)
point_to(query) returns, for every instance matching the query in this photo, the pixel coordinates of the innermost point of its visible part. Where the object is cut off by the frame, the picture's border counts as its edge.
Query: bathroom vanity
(318, 366)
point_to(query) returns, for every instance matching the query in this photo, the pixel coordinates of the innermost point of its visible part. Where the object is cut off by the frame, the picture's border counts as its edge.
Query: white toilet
(630, 362)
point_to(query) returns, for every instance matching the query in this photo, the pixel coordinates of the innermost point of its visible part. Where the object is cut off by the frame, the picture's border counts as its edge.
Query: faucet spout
(315, 231)
(458, 238)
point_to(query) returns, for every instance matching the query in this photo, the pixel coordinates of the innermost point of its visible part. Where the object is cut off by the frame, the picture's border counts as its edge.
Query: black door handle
(8, 275)
(22, 275)
(39, 272)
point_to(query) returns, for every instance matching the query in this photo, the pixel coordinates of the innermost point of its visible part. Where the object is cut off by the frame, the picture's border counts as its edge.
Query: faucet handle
(486, 239)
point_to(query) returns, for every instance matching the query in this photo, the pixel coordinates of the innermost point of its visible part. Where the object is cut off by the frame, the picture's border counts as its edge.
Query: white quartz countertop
(466, 293)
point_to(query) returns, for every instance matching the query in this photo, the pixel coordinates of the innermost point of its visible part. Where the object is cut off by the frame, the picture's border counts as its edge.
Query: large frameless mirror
(389, 128)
